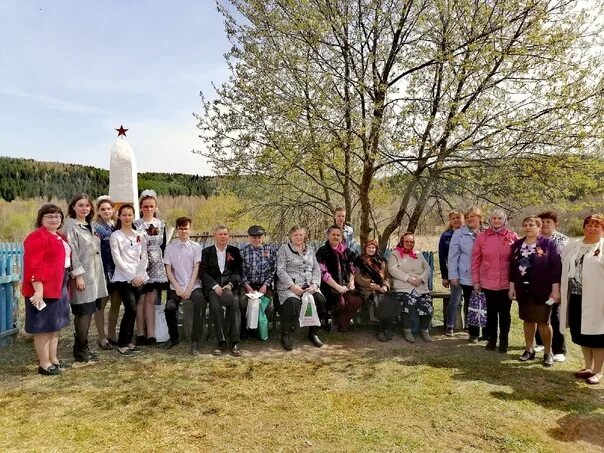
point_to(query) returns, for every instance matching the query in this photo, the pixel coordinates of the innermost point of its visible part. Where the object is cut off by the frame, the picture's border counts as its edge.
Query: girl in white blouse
(129, 252)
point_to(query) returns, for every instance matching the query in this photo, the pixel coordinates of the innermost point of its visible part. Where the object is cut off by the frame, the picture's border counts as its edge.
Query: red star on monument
(121, 131)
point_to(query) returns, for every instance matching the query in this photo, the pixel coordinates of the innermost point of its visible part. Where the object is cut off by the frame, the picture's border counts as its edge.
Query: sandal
(595, 379)
(105, 346)
(584, 373)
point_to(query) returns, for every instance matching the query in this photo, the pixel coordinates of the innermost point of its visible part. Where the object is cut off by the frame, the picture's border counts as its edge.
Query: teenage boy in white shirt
(182, 258)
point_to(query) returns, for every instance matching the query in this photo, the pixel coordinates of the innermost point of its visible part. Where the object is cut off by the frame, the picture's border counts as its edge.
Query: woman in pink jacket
(490, 273)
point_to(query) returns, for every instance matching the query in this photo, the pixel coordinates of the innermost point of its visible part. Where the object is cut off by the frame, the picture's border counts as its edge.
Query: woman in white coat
(582, 287)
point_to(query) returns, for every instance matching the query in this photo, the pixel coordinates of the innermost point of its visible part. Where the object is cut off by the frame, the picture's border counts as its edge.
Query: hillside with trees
(27, 178)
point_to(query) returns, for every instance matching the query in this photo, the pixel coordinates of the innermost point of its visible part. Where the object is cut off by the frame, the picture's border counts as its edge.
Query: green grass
(355, 394)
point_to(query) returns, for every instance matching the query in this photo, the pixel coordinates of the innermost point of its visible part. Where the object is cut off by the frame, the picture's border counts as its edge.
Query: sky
(71, 72)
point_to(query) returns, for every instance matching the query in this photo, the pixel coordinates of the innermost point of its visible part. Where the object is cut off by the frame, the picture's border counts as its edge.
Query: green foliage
(574, 227)
(224, 208)
(18, 218)
(326, 98)
(27, 178)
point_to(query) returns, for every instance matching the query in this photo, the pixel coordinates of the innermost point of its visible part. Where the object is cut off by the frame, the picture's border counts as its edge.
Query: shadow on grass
(586, 427)
(357, 356)
(552, 388)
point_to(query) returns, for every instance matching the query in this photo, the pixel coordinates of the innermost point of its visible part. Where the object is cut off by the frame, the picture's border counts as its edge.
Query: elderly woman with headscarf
(410, 274)
(372, 282)
(490, 273)
(582, 304)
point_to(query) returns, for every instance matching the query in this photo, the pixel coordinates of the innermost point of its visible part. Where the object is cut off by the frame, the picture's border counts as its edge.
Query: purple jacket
(545, 271)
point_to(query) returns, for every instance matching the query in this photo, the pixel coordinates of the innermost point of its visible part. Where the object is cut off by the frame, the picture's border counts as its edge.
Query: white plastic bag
(161, 327)
(308, 312)
(253, 310)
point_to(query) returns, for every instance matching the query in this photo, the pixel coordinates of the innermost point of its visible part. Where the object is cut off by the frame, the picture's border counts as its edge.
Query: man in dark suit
(221, 275)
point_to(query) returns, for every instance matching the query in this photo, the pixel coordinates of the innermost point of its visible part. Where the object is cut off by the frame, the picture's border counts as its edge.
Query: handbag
(263, 319)
(308, 312)
(388, 306)
(477, 309)
(161, 326)
(253, 310)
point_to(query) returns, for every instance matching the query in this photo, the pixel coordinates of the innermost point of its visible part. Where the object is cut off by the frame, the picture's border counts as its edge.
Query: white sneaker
(538, 348)
(559, 357)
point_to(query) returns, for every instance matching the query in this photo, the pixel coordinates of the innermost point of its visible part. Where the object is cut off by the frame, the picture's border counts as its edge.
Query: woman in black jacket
(337, 278)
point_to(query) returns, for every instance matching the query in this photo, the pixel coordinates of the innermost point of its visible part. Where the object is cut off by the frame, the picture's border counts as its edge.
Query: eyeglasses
(52, 216)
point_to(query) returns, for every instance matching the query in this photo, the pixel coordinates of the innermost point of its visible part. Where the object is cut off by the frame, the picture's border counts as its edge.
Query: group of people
(86, 260)
(556, 282)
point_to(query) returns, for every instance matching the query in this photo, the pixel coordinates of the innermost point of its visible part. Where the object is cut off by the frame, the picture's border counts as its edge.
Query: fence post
(11, 266)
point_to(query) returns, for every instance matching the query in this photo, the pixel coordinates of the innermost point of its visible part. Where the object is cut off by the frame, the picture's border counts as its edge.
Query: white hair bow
(148, 193)
(103, 198)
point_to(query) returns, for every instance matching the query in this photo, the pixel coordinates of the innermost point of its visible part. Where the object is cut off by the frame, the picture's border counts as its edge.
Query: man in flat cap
(259, 266)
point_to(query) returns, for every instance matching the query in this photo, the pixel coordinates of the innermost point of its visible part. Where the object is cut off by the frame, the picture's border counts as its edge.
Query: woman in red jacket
(491, 257)
(45, 275)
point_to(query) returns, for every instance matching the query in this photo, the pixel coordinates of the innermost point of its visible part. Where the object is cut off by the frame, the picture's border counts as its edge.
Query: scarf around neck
(402, 252)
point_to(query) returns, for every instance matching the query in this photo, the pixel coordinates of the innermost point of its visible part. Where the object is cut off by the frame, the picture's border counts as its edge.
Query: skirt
(51, 318)
(415, 302)
(88, 308)
(149, 287)
(575, 303)
(531, 311)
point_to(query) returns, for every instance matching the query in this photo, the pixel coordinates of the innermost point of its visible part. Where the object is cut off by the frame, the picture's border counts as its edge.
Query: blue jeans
(454, 301)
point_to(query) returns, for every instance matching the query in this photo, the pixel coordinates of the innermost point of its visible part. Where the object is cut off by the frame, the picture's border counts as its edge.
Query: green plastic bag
(263, 319)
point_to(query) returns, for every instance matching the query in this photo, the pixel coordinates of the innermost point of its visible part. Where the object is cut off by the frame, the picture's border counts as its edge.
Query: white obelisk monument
(123, 176)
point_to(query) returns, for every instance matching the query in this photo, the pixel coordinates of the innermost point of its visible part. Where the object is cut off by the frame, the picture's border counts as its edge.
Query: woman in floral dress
(535, 270)
(154, 231)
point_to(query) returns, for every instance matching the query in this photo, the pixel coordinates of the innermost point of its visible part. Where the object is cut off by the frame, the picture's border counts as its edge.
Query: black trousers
(558, 341)
(473, 331)
(290, 311)
(129, 295)
(499, 306)
(225, 315)
(199, 314)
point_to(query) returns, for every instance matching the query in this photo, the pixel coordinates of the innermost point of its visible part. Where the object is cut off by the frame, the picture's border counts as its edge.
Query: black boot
(287, 328)
(313, 337)
(286, 341)
(91, 355)
(79, 351)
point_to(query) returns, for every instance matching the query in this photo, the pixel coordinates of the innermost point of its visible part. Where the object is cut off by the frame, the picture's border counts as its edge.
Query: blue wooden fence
(11, 269)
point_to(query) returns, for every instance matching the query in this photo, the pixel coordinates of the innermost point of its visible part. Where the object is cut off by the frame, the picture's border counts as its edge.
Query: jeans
(498, 311)
(199, 314)
(129, 295)
(454, 301)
